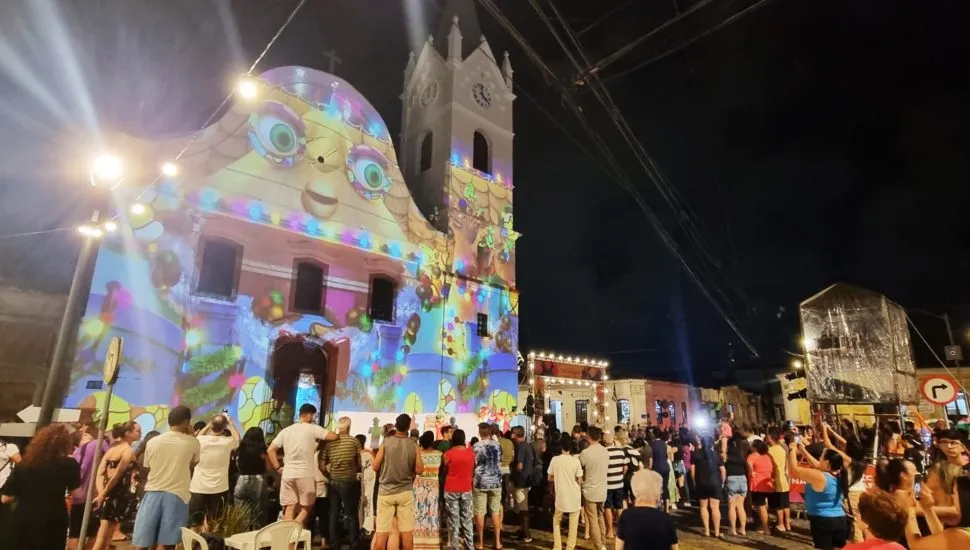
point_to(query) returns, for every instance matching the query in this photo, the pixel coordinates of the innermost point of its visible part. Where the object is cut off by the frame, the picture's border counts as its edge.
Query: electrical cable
(218, 109)
(32, 233)
(613, 57)
(937, 357)
(667, 191)
(673, 49)
(605, 150)
(648, 165)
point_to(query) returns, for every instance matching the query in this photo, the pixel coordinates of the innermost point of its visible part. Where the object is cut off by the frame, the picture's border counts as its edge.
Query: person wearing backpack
(524, 477)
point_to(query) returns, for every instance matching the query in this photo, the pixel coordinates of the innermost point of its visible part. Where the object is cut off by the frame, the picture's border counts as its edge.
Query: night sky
(814, 142)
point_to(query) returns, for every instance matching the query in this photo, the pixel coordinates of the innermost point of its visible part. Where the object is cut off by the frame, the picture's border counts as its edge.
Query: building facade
(287, 262)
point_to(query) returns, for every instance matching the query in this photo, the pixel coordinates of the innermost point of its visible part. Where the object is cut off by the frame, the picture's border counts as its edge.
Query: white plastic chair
(279, 535)
(189, 537)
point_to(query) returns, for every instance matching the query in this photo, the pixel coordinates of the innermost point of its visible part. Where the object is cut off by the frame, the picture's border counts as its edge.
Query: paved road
(692, 537)
(688, 528)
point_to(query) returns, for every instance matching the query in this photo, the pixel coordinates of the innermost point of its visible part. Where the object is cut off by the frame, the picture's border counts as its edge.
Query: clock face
(429, 93)
(482, 95)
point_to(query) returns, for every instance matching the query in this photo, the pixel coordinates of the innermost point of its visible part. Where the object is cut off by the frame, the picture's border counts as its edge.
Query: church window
(382, 299)
(427, 143)
(481, 159)
(220, 266)
(308, 286)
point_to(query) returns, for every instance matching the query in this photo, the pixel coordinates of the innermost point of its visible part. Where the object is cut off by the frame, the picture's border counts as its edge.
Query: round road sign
(939, 389)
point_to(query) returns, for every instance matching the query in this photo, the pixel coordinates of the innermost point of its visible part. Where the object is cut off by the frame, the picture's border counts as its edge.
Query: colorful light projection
(304, 170)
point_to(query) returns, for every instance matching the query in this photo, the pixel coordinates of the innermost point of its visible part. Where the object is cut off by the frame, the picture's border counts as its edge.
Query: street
(692, 538)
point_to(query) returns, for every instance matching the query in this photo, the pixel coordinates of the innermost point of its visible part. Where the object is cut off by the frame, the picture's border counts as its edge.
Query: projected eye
(367, 171)
(277, 133)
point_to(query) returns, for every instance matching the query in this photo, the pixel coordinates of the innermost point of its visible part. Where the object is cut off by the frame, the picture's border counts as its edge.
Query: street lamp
(105, 173)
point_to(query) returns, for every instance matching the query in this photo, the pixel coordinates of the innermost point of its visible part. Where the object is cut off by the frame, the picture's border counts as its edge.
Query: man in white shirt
(298, 488)
(566, 473)
(210, 480)
(164, 509)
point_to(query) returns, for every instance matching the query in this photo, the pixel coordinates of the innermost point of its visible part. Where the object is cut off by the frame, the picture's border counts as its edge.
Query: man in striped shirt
(341, 458)
(619, 461)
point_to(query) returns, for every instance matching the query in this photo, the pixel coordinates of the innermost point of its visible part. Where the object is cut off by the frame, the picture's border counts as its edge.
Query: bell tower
(457, 109)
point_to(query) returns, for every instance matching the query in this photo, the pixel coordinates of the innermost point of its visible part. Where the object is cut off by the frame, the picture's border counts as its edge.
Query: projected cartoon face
(306, 153)
(277, 133)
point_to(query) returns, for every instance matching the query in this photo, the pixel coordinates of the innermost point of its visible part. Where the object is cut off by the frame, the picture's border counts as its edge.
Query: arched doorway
(300, 373)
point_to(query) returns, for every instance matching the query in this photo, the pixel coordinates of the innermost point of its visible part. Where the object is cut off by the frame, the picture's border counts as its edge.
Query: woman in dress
(427, 534)
(708, 473)
(113, 482)
(38, 485)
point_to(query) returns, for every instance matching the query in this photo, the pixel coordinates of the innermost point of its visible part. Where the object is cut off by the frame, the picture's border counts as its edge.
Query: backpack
(535, 478)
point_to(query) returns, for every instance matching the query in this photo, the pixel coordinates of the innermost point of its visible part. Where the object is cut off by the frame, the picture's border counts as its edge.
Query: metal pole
(94, 467)
(67, 332)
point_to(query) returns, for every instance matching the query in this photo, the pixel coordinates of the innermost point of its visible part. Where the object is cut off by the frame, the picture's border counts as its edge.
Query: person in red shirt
(885, 517)
(459, 467)
(761, 481)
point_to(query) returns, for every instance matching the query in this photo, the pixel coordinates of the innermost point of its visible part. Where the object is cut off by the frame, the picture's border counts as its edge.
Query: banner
(797, 486)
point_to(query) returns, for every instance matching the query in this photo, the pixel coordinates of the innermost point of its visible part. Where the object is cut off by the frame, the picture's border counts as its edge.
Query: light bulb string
(217, 110)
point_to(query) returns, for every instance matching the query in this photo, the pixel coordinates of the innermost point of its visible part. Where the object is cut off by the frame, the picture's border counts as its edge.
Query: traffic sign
(939, 389)
(111, 360)
(32, 413)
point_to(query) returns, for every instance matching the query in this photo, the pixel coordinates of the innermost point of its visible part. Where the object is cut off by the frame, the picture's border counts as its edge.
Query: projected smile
(320, 198)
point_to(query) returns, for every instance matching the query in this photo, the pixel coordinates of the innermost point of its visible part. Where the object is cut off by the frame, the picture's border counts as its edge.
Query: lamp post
(105, 173)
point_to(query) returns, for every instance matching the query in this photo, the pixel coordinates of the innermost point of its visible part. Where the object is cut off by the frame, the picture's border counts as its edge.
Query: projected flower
(277, 133)
(367, 172)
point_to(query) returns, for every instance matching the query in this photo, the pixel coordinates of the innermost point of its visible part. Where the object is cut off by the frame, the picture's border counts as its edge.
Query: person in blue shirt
(826, 487)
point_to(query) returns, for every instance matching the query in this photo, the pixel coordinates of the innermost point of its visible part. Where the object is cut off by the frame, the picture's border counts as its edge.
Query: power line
(218, 109)
(650, 167)
(32, 233)
(677, 47)
(622, 178)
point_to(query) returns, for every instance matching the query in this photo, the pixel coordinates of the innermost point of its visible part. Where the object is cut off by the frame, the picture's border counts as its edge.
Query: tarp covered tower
(857, 348)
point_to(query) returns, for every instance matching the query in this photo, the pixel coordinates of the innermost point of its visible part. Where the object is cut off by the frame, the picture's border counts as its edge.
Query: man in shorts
(487, 483)
(398, 461)
(169, 458)
(298, 486)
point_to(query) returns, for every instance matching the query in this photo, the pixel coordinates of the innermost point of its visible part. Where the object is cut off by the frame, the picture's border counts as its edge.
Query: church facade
(289, 261)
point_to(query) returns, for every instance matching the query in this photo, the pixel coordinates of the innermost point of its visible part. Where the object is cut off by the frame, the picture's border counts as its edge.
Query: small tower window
(219, 268)
(308, 287)
(481, 159)
(382, 299)
(483, 324)
(427, 144)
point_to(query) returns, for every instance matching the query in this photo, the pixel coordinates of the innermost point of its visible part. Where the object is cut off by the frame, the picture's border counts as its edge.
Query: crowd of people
(428, 491)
